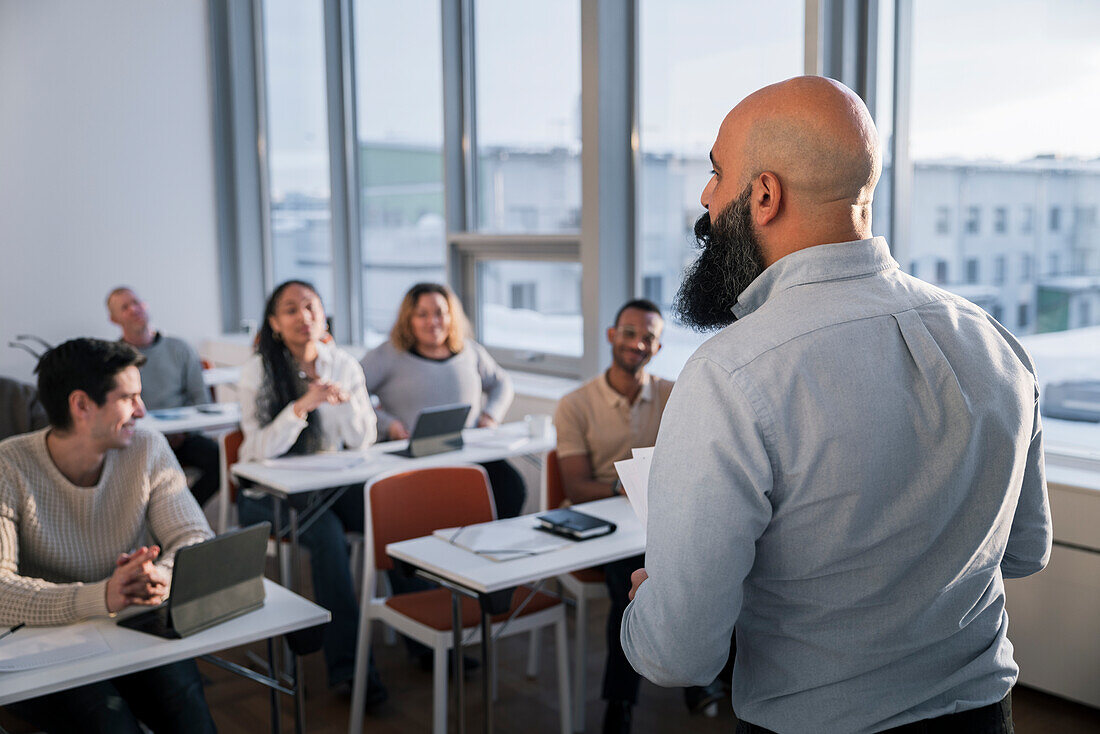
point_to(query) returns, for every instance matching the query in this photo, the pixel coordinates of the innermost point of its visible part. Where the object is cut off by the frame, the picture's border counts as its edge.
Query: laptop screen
(440, 421)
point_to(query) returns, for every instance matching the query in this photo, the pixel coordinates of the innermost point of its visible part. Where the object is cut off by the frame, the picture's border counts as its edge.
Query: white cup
(538, 425)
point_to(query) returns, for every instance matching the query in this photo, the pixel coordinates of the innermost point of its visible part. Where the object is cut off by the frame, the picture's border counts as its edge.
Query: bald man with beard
(850, 469)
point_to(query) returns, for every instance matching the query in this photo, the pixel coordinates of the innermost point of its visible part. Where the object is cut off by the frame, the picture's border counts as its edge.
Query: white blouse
(348, 425)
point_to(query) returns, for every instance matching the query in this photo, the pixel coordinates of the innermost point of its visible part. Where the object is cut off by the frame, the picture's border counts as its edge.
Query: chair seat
(433, 607)
(589, 576)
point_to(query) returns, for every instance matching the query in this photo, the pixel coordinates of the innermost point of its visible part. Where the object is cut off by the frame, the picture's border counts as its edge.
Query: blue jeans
(166, 699)
(328, 562)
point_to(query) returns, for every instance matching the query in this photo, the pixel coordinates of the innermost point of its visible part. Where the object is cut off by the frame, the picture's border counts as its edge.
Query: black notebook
(575, 525)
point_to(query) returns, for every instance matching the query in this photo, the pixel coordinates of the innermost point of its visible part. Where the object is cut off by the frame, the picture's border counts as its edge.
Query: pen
(13, 630)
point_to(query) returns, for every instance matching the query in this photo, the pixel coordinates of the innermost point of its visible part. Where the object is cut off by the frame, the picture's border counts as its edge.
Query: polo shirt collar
(613, 398)
(817, 264)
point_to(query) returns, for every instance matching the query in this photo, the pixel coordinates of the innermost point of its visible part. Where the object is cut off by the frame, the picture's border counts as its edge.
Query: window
(998, 312)
(1010, 155)
(297, 144)
(652, 288)
(529, 308)
(973, 220)
(528, 126)
(972, 266)
(679, 112)
(523, 296)
(941, 272)
(914, 269)
(943, 220)
(399, 148)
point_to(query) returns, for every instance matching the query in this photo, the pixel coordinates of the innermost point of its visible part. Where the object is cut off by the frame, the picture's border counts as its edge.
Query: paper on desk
(634, 475)
(335, 461)
(504, 540)
(504, 442)
(501, 437)
(37, 647)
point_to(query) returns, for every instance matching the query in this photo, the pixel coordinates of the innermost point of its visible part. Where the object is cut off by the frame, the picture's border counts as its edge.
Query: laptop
(437, 430)
(212, 582)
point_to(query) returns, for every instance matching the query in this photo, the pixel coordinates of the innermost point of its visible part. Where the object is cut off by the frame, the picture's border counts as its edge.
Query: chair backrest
(231, 443)
(20, 410)
(415, 503)
(555, 491)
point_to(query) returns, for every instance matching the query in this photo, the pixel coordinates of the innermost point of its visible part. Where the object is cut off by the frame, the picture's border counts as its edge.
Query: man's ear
(611, 335)
(767, 194)
(79, 404)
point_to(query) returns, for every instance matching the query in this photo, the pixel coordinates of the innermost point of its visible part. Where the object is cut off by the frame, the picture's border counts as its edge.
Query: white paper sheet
(634, 475)
(317, 462)
(36, 647)
(503, 540)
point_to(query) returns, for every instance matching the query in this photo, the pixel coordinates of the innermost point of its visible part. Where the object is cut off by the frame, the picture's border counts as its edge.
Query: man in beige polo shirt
(598, 424)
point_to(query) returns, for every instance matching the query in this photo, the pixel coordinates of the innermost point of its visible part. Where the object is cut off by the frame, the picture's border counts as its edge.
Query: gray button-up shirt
(847, 472)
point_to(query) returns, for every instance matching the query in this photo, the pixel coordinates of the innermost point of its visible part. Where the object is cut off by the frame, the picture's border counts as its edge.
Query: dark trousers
(166, 699)
(996, 718)
(620, 680)
(202, 453)
(509, 491)
(326, 542)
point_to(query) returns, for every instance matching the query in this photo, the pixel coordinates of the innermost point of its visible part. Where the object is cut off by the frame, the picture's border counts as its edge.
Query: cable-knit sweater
(59, 542)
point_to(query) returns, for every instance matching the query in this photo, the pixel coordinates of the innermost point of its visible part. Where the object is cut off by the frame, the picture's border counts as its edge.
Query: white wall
(106, 168)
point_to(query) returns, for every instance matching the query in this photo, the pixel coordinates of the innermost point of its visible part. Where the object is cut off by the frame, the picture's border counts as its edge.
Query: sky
(1005, 79)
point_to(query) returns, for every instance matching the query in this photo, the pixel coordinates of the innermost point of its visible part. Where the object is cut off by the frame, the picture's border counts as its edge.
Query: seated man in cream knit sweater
(77, 501)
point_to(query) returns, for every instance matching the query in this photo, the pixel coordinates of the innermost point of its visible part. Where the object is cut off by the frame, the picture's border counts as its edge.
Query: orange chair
(415, 503)
(208, 365)
(583, 585)
(229, 447)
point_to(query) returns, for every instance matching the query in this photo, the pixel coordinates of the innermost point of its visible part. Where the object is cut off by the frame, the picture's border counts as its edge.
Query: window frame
(839, 41)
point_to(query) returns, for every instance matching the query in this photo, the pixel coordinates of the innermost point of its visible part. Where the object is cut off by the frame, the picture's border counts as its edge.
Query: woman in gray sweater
(430, 360)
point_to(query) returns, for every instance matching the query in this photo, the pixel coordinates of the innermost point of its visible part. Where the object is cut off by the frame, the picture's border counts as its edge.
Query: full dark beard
(730, 260)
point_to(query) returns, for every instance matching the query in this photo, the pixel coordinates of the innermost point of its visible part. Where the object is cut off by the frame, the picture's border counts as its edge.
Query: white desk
(192, 418)
(480, 575)
(480, 445)
(131, 651)
(214, 376)
(464, 572)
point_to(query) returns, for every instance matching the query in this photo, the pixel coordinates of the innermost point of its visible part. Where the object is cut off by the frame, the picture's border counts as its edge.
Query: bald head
(817, 135)
(815, 141)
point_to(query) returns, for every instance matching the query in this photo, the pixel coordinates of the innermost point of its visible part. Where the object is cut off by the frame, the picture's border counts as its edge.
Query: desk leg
(295, 562)
(299, 694)
(276, 716)
(486, 668)
(280, 551)
(456, 652)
